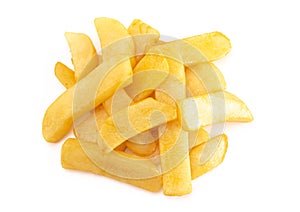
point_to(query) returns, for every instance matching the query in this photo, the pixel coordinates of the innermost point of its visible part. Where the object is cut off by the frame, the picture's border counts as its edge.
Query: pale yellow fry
(141, 149)
(204, 78)
(88, 94)
(137, 118)
(114, 39)
(116, 102)
(73, 157)
(82, 50)
(212, 109)
(64, 74)
(208, 155)
(143, 36)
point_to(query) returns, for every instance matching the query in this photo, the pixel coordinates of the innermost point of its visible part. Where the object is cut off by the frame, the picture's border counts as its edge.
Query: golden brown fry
(88, 94)
(213, 45)
(204, 78)
(143, 36)
(64, 74)
(133, 120)
(82, 50)
(208, 155)
(73, 157)
(141, 149)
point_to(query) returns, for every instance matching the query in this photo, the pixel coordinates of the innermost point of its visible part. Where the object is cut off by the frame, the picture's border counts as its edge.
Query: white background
(261, 169)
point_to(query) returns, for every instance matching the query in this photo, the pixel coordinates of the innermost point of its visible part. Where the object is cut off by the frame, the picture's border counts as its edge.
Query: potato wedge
(143, 36)
(141, 149)
(203, 78)
(114, 39)
(118, 101)
(212, 109)
(208, 155)
(83, 97)
(149, 73)
(82, 50)
(73, 157)
(64, 74)
(137, 118)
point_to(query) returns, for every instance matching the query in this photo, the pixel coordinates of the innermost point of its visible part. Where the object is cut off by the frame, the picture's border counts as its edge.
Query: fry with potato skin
(73, 157)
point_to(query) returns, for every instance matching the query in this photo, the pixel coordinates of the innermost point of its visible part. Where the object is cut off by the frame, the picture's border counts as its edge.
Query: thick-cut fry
(64, 74)
(213, 45)
(141, 149)
(204, 78)
(198, 137)
(82, 97)
(149, 73)
(116, 102)
(133, 120)
(143, 36)
(82, 50)
(176, 173)
(208, 155)
(73, 157)
(114, 39)
(212, 109)
(87, 130)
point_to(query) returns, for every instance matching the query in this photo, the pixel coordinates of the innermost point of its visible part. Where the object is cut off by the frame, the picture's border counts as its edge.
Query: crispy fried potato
(143, 36)
(176, 172)
(208, 155)
(137, 118)
(213, 45)
(149, 73)
(88, 94)
(82, 50)
(114, 39)
(146, 137)
(198, 137)
(73, 157)
(64, 74)
(118, 101)
(204, 78)
(141, 149)
(212, 109)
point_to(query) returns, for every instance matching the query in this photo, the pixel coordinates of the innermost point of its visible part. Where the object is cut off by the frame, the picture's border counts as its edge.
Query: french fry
(114, 39)
(143, 36)
(65, 75)
(60, 114)
(208, 155)
(73, 157)
(198, 137)
(197, 49)
(82, 50)
(204, 78)
(116, 102)
(176, 176)
(137, 118)
(213, 45)
(141, 149)
(212, 109)
(149, 73)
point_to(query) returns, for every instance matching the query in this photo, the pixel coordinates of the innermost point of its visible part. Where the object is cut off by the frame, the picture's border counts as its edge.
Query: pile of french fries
(140, 111)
